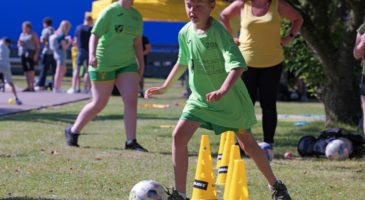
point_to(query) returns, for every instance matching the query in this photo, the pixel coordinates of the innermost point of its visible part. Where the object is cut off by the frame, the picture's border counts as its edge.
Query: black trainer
(174, 195)
(71, 138)
(135, 146)
(279, 191)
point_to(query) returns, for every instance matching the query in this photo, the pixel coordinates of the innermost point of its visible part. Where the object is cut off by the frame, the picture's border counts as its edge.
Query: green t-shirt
(210, 57)
(361, 30)
(117, 28)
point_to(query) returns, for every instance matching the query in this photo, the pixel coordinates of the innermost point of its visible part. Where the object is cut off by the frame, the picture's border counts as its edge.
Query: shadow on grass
(24, 198)
(69, 118)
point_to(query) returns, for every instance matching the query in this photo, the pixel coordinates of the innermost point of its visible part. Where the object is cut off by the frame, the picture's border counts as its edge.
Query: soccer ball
(319, 147)
(267, 149)
(348, 144)
(148, 190)
(337, 150)
(305, 146)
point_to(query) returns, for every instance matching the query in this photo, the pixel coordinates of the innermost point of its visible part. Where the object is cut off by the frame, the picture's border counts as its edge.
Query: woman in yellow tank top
(262, 47)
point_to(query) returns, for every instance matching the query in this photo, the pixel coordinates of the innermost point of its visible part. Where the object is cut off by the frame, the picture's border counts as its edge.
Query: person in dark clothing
(81, 40)
(47, 60)
(147, 47)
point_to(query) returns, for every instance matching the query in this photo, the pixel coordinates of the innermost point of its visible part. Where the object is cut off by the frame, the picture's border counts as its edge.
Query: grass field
(35, 163)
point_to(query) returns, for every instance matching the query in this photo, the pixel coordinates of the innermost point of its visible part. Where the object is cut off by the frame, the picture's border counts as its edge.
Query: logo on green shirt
(118, 28)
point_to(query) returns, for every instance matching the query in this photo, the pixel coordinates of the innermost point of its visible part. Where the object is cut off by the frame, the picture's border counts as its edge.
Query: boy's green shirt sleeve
(183, 50)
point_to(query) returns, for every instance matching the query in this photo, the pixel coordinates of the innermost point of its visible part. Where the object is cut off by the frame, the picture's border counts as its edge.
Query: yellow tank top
(260, 36)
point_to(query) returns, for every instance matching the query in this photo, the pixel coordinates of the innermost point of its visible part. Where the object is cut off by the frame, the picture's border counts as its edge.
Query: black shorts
(27, 63)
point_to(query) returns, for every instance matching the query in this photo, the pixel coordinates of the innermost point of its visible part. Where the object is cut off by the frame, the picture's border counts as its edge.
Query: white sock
(73, 130)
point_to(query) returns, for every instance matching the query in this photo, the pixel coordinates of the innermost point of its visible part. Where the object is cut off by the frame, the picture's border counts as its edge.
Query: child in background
(5, 66)
(219, 99)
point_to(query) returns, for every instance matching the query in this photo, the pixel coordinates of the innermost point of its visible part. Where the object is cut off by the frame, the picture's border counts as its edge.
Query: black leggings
(27, 63)
(263, 83)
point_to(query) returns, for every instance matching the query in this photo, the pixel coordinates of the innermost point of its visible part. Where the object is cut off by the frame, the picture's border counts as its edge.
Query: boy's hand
(154, 91)
(215, 96)
(237, 41)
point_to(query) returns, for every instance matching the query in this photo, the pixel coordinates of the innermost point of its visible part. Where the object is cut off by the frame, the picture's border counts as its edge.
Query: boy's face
(199, 11)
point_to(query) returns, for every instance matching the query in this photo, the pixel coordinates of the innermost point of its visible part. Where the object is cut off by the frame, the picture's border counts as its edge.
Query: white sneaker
(71, 91)
(39, 88)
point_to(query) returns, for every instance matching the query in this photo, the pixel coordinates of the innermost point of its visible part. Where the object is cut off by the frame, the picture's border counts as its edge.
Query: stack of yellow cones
(204, 187)
(221, 148)
(223, 169)
(235, 155)
(238, 189)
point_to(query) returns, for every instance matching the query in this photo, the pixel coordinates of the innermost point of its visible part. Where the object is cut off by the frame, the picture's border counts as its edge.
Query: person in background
(261, 45)
(5, 67)
(359, 53)
(115, 58)
(47, 60)
(60, 41)
(81, 39)
(28, 50)
(147, 47)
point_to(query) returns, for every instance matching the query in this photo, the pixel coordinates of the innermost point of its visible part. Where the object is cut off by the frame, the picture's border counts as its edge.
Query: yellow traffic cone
(221, 148)
(235, 155)
(238, 187)
(223, 169)
(204, 187)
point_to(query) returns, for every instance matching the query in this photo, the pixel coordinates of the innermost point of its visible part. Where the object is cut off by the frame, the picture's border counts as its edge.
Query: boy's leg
(182, 134)
(248, 143)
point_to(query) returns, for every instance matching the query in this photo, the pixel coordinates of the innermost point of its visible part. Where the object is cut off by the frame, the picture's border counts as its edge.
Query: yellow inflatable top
(158, 10)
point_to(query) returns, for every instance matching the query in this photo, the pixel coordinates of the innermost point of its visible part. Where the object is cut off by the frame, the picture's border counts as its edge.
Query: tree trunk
(340, 91)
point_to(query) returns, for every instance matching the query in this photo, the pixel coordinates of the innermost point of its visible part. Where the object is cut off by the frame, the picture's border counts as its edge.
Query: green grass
(28, 169)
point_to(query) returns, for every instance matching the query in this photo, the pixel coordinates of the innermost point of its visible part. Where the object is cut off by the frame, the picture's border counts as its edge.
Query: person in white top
(5, 66)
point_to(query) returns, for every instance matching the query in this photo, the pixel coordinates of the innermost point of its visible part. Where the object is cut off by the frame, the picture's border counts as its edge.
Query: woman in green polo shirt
(115, 58)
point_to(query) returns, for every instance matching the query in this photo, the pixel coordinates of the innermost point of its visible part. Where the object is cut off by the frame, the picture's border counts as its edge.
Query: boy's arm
(174, 75)
(176, 72)
(232, 77)
(359, 49)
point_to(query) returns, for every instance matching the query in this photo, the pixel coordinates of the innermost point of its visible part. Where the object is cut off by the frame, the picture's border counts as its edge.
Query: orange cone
(221, 148)
(223, 169)
(238, 187)
(204, 187)
(235, 155)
